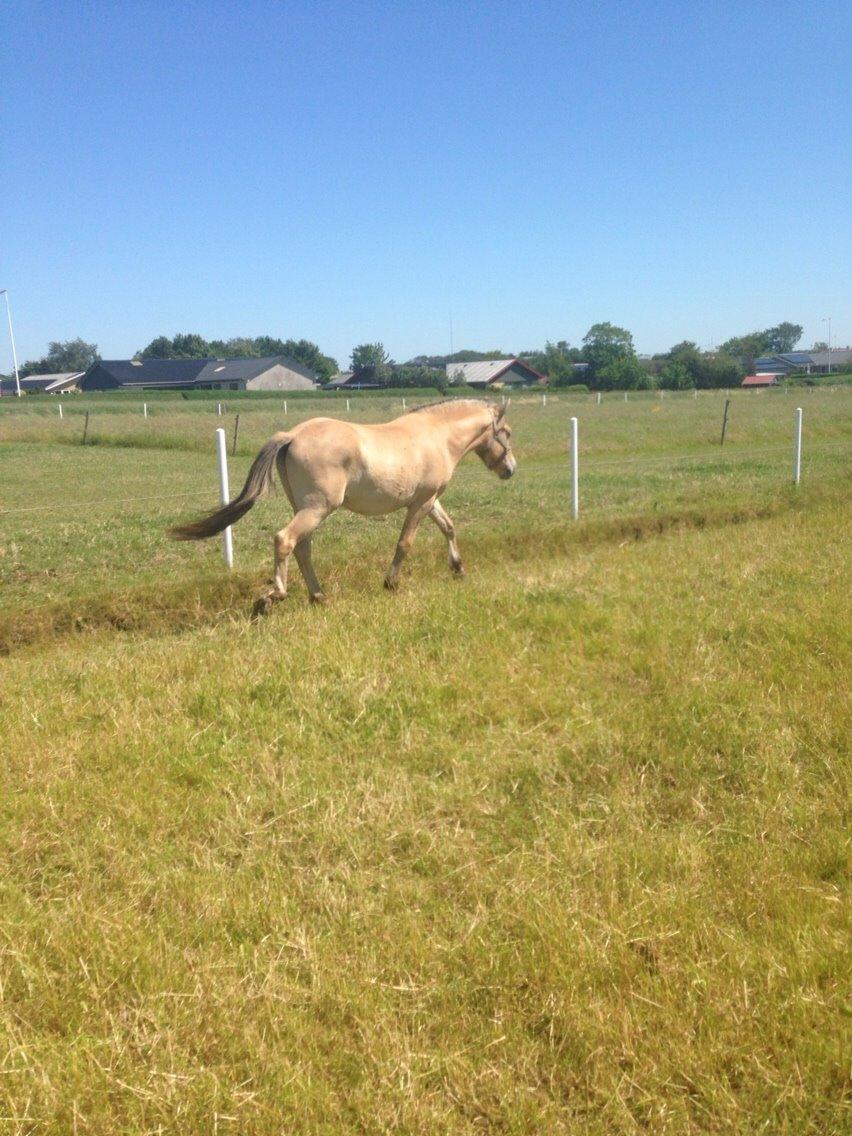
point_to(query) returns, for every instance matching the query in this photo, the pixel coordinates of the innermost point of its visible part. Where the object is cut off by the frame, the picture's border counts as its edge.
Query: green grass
(560, 848)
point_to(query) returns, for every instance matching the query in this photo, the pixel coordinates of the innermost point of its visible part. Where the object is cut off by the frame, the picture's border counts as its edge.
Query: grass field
(561, 848)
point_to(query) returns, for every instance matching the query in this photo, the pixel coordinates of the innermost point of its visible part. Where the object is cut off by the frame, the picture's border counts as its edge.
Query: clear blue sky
(357, 171)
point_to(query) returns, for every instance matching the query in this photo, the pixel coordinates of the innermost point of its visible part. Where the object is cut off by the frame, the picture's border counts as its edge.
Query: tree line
(605, 360)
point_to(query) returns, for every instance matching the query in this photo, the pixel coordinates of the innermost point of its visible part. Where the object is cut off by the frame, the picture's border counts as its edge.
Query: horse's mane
(448, 402)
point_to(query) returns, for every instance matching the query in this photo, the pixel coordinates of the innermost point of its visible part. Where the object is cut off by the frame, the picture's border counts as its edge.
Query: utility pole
(5, 292)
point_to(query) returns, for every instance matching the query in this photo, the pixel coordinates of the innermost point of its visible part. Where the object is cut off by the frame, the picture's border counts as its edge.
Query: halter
(493, 465)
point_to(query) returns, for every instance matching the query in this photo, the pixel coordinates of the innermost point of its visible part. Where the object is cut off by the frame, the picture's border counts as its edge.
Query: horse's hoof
(391, 585)
(458, 571)
(319, 598)
(263, 605)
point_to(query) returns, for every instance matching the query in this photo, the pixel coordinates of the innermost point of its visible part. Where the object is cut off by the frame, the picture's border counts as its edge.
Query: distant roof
(485, 371)
(59, 380)
(839, 356)
(149, 372)
(189, 372)
(761, 380)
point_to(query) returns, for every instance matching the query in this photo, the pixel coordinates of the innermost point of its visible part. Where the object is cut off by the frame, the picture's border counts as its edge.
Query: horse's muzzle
(506, 473)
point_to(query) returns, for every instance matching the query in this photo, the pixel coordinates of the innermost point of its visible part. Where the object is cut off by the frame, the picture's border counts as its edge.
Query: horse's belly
(374, 500)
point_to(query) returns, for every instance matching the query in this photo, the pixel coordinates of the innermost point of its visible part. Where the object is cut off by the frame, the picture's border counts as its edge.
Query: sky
(431, 175)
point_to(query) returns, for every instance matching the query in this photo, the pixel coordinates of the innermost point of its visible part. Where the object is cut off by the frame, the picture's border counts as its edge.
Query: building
(839, 358)
(807, 362)
(59, 383)
(759, 381)
(494, 372)
(785, 364)
(276, 373)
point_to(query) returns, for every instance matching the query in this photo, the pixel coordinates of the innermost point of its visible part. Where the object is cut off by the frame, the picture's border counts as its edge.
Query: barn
(276, 372)
(494, 372)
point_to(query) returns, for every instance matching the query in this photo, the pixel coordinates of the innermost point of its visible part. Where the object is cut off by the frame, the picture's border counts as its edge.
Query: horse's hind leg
(445, 523)
(287, 541)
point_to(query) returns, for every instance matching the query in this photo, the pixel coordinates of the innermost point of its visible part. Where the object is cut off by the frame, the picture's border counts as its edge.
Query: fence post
(403, 404)
(236, 432)
(347, 406)
(797, 448)
(285, 405)
(599, 398)
(60, 410)
(725, 422)
(224, 494)
(219, 409)
(144, 409)
(86, 428)
(575, 470)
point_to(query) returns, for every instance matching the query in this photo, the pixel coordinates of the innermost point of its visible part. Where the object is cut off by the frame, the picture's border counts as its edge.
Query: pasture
(558, 848)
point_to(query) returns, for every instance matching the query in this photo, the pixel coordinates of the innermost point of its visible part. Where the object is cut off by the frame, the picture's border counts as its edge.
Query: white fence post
(544, 400)
(797, 450)
(599, 398)
(347, 406)
(60, 410)
(145, 409)
(224, 494)
(575, 470)
(219, 409)
(285, 405)
(403, 404)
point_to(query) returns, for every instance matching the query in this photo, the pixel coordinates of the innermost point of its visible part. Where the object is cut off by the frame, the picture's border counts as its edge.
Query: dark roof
(182, 372)
(233, 370)
(144, 372)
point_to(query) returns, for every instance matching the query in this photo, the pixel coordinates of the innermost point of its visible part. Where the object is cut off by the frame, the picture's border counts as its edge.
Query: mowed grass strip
(560, 849)
(83, 530)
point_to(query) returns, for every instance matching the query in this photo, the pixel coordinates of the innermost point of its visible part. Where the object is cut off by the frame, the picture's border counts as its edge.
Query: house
(494, 372)
(838, 358)
(61, 382)
(276, 372)
(759, 381)
(364, 378)
(785, 364)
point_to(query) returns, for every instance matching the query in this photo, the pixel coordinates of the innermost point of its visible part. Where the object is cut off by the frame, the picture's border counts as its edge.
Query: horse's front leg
(445, 523)
(410, 525)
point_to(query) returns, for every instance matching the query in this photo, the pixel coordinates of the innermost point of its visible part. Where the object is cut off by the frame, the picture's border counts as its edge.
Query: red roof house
(770, 380)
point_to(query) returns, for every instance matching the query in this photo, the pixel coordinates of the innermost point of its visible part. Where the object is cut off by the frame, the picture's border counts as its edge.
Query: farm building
(58, 383)
(273, 373)
(758, 381)
(838, 359)
(784, 364)
(362, 379)
(494, 372)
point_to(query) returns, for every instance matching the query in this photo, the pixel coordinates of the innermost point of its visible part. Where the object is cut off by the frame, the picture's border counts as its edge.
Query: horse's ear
(501, 411)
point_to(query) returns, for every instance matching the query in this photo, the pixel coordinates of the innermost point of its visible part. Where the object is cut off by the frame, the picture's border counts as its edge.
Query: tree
(159, 348)
(675, 375)
(624, 373)
(369, 355)
(188, 345)
(70, 355)
(782, 338)
(719, 370)
(603, 343)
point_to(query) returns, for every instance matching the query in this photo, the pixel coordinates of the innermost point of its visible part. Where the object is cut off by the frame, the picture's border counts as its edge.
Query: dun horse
(404, 464)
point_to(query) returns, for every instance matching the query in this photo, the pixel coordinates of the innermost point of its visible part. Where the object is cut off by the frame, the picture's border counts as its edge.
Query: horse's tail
(257, 483)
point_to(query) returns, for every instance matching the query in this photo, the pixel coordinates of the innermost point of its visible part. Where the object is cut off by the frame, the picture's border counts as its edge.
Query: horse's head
(495, 449)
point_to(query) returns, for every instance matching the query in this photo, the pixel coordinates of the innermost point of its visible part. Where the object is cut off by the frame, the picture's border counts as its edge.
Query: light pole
(5, 292)
(828, 321)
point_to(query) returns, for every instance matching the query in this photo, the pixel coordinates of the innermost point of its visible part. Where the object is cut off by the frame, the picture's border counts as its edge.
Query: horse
(406, 464)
